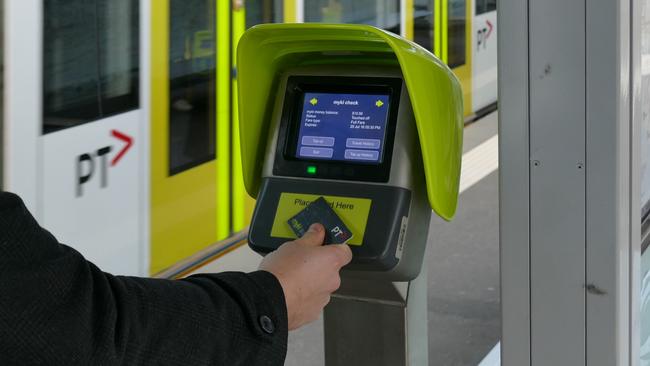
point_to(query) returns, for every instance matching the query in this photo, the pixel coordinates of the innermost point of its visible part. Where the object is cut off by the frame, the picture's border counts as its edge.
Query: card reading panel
(352, 211)
(319, 211)
(343, 127)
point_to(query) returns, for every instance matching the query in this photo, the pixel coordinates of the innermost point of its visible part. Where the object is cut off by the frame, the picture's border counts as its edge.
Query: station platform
(134, 130)
(463, 263)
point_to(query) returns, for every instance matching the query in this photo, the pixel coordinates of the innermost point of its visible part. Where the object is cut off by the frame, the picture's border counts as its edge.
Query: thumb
(314, 236)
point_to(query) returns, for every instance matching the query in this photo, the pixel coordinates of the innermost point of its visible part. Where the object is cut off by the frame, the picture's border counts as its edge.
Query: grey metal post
(514, 182)
(568, 207)
(378, 323)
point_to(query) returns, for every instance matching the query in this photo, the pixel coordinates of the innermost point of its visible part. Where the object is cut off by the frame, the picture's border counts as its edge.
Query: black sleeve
(56, 308)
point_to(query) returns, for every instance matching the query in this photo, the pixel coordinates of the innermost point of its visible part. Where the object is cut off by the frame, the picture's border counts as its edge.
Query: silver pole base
(378, 323)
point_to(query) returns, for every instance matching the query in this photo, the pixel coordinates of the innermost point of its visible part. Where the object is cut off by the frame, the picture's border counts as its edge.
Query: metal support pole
(378, 323)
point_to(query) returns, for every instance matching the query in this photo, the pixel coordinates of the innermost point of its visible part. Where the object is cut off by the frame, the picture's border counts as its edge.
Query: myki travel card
(322, 213)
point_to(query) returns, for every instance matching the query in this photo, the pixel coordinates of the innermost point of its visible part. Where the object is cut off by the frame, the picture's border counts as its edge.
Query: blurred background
(119, 129)
(120, 116)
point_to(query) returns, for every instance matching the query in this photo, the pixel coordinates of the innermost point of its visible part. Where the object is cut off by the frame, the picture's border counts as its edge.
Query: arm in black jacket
(56, 308)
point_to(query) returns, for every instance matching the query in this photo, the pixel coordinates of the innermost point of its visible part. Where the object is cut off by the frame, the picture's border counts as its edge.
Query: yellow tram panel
(189, 202)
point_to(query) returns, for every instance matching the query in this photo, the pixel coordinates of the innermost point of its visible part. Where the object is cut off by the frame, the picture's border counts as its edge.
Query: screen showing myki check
(343, 127)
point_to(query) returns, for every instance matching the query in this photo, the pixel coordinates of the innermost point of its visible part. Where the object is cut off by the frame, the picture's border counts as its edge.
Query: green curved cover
(265, 51)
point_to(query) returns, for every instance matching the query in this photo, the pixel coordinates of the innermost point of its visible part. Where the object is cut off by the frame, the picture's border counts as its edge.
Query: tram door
(442, 27)
(190, 128)
(246, 13)
(73, 124)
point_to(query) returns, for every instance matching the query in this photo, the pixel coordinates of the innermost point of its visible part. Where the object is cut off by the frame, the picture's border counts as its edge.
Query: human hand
(308, 272)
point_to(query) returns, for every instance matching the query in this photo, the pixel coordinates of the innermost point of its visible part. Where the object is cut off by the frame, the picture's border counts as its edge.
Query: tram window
(423, 22)
(383, 14)
(264, 11)
(192, 88)
(456, 32)
(91, 61)
(485, 6)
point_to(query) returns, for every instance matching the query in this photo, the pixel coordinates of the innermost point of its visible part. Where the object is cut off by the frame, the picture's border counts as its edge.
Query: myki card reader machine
(363, 118)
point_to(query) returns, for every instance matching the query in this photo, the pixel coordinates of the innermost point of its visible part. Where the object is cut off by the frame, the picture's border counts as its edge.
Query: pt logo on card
(96, 163)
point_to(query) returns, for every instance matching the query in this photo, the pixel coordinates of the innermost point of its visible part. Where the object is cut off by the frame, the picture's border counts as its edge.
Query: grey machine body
(406, 247)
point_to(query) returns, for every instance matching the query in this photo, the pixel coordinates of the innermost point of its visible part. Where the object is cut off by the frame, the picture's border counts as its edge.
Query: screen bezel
(286, 162)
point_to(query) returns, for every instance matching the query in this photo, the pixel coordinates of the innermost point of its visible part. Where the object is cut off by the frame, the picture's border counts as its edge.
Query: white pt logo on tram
(89, 164)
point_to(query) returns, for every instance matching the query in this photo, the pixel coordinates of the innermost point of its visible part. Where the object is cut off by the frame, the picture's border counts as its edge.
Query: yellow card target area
(353, 212)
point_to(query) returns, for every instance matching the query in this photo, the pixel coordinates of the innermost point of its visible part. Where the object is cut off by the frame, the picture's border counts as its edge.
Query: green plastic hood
(265, 51)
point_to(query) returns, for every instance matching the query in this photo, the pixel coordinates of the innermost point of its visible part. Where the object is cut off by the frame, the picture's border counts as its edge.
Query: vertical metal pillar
(567, 209)
(378, 323)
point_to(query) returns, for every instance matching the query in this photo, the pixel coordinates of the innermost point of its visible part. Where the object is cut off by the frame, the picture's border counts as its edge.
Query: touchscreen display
(343, 127)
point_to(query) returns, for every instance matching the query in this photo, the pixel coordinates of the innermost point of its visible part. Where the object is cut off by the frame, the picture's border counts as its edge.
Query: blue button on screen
(367, 155)
(316, 152)
(363, 143)
(343, 127)
(318, 141)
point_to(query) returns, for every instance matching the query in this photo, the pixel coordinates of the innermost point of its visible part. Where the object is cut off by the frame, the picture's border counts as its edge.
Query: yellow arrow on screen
(313, 101)
(379, 103)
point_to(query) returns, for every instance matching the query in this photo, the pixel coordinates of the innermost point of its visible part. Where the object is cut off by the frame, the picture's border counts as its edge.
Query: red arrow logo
(129, 143)
(489, 24)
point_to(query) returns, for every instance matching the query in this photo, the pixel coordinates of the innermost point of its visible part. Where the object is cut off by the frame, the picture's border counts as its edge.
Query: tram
(119, 117)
